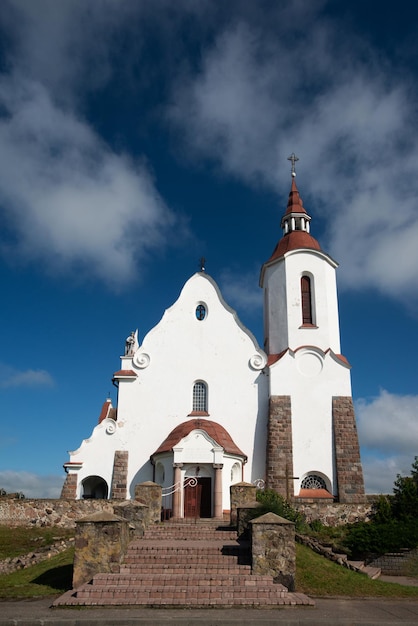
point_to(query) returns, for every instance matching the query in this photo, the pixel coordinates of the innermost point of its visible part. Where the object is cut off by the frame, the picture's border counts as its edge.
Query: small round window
(200, 312)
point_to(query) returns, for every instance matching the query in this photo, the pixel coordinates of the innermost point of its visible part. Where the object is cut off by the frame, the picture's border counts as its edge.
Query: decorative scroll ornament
(111, 427)
(259, 483)
(191, 482)
(188, 482)
(258, 361)
(142, 360)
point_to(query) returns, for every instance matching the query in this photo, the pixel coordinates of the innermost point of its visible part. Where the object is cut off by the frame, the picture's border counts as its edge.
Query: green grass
(317, 576)
(50, 577)
(21, 540)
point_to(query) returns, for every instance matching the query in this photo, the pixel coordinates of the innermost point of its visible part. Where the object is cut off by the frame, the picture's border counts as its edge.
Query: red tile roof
(105, 410)
(315, 493)
(125, 374)
(213, 429)
(273, 358)
(294, 203)
(293, 241)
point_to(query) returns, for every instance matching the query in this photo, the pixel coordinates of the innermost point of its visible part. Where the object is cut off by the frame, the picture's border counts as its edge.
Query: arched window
(200, 397)
(305, 286)
(236, 473)
(313, 481)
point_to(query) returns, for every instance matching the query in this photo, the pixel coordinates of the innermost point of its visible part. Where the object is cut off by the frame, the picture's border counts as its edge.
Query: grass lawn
(50, 577)
(317, 576)
(22, 540)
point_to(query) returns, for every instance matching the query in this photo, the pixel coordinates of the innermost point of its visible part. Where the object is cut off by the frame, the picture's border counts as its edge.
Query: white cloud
(344, 110)
(64, 45)
(11, 377)
(31, 485)
(388, 434)
(72, 202)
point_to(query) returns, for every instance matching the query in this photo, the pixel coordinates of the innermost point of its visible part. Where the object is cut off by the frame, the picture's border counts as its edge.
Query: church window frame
(307, 300)
(200, 397)
(201, 311)
(315, 480)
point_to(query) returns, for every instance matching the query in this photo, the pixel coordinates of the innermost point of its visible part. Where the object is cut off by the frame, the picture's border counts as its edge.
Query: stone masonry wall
(69, 488)
(336, 513)
(395, 563)
(120, 475)
(347, 451)
(62, 513)
(279, 446)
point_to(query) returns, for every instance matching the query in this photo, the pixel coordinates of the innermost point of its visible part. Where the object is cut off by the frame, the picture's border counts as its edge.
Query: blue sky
(136, 137)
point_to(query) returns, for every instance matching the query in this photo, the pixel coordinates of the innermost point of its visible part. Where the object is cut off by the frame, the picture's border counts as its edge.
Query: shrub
(369, 538)
(271, 501)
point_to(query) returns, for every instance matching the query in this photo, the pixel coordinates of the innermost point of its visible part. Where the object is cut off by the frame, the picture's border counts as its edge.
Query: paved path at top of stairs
(184, 565)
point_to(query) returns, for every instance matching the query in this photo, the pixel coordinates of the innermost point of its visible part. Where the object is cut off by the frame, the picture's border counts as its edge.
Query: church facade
(201, 406)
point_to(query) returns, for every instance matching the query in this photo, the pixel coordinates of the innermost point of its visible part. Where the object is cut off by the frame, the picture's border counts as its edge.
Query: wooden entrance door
(198, 499)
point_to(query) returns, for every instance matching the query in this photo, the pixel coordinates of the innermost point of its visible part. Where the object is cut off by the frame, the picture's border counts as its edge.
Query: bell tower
(312, 436)
(300, 289)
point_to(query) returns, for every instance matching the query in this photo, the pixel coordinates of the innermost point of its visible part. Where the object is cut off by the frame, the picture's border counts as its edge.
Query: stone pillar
(150, 494)
(279, 447)
(69, 488)
(133, 512)
(242, 496)
(273, 549)
(101, 541)
(217, 492)
(349, 471)
(177, 490)
(120, 475)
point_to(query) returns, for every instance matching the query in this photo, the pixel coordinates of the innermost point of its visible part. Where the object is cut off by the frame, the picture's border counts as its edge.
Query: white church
(201, 406)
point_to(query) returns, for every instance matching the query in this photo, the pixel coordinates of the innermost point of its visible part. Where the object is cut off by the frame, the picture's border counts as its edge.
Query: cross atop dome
(293, 158)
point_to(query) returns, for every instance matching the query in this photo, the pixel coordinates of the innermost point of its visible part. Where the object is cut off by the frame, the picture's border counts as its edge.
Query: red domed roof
(213, 429)
(293, 241)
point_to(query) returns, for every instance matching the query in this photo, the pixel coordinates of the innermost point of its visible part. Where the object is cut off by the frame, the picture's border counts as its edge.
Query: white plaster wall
(97, 453)
(284, 318)
(275, 309)
(311, 378)
(177, 352)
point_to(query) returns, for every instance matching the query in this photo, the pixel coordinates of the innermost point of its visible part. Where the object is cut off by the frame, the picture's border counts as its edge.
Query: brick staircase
(186, 564)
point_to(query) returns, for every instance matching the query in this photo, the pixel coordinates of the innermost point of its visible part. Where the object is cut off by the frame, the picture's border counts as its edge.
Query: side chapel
(199, 401)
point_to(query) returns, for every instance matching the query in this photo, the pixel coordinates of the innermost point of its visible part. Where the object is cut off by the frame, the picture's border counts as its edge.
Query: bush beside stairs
(195, 563)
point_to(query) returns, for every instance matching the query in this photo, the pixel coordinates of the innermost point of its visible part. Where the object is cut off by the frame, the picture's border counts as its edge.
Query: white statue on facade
(131, 343)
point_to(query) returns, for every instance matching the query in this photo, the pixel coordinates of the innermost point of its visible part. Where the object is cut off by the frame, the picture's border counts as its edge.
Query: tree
(405, 498)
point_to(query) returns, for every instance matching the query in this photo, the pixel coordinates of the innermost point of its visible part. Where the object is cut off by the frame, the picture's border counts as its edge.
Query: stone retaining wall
(336, 513)
(395, 563)
(61, 513)
(64, 513)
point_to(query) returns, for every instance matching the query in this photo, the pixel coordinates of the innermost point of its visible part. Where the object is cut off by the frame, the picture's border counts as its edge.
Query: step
(185, 569)
(224, 579)
(184, 565)
(372, 572)
(188, 597)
